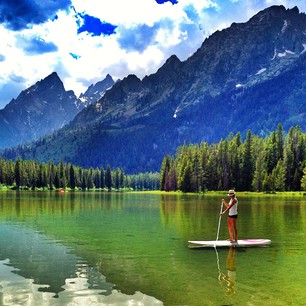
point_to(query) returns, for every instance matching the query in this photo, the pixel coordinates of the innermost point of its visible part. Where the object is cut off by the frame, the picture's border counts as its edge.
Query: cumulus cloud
(35, 45)
(138, 38)
(84, 40)
(13, 85)
(22, 14)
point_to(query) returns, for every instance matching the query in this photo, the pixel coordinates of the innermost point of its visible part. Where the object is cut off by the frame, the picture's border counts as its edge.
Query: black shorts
(233, 216)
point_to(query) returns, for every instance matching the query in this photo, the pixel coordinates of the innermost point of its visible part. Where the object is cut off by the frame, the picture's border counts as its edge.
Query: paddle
(219, 222)
(217, 255)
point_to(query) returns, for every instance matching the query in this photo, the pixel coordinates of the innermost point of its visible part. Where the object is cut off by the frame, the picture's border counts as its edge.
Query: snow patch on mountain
(261, 71)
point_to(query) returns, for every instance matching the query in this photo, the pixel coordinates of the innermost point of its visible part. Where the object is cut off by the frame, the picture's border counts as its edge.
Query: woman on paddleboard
(231, 207)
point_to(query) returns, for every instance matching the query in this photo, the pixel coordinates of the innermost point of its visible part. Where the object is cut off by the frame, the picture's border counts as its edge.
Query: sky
(84, 40)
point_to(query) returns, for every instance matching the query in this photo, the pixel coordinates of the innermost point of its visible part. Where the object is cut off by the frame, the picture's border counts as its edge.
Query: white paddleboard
(227, 243)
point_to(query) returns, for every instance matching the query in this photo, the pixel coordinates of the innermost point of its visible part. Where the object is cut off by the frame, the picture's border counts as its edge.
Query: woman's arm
(228, 206)
(225, 203)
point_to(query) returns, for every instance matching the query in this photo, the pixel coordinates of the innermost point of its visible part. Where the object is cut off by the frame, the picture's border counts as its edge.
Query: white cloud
(160, 30)
(129, 12)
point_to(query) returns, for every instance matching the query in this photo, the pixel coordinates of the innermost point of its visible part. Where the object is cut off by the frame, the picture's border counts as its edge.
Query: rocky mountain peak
(96, 92)
(246, 52)
(275, 11)
(52, 81)
(42, 108)
(53, 78)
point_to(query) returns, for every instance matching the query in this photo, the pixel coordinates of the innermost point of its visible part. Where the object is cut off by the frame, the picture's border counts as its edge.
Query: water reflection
(34, 270)
(230, 277)
(138, 243)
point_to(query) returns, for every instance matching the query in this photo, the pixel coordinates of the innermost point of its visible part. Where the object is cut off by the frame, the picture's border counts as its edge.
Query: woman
(231, 207)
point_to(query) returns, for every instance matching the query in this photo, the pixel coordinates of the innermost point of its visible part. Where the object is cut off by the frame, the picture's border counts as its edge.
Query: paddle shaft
(219, 222)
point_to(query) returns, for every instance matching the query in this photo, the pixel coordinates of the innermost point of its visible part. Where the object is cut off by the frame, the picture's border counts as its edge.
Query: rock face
(44, 108)
(96, 92)
(248, 76)
(38, 110)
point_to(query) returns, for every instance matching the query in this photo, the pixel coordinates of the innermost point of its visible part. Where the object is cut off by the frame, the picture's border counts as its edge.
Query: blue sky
(84, 40)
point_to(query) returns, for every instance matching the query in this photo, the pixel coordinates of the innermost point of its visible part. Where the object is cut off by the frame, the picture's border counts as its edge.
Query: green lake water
(131, 249)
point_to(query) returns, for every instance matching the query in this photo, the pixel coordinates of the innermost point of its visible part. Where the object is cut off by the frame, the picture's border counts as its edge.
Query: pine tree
(280, 142)
(90, 183)
(303, 180)
(164, 172)
(279, 176)
(72, 181)
(42, 176)
(51, 174)
(121, 178)
(117, 179)
(185, 183)
(247, 163)
(56, 180)
(2, 165)
(260, 173)
(223, 162)
(196, 170)
(97, 178)
(62, 177)
(272, 152)
(203, 165)
(102, 177)
(18, 173)
(84, 181)
(172, 177)
(108, 178)
(212, 169)
(236, 169)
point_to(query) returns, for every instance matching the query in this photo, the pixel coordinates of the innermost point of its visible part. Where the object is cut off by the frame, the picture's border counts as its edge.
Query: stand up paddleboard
(227, 243)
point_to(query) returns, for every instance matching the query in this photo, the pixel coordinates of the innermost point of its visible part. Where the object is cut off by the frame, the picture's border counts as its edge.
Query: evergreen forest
(31, 175)
(274, 163)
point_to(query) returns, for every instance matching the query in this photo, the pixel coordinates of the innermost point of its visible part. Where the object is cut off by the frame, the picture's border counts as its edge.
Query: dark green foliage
(276, 163)
(32, 175)
(108, 178)
(144, 181)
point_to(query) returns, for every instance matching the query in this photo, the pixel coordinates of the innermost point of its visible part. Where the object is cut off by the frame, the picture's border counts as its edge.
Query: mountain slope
(39, 110)
(96, 91)
(249, 76)
(44, 108)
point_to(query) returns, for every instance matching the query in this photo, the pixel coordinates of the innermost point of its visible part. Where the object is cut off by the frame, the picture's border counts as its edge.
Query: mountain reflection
(35, 269)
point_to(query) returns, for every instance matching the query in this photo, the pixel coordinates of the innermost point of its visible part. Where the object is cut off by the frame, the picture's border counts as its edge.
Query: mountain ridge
(44, 108)
(248, 76)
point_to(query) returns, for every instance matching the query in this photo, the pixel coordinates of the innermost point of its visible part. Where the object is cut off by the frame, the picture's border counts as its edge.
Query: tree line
(274, 163)
(29, 174)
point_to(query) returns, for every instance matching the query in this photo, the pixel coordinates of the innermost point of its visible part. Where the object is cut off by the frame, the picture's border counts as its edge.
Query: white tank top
(233, 210)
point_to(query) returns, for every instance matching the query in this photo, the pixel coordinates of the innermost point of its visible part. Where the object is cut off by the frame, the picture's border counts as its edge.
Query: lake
(99, 248)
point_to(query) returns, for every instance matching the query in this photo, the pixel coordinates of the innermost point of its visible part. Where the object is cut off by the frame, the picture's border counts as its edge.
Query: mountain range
(44, 108)
(248, 76)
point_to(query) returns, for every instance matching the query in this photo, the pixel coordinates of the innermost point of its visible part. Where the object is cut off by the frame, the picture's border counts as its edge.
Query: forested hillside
(274, 163)
(31, 175)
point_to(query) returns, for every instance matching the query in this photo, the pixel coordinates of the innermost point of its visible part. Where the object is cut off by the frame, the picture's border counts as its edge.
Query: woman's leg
(230, 228)
(234, 229)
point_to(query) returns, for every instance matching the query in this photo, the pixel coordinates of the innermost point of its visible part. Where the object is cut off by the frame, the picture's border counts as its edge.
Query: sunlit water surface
(131, 249)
